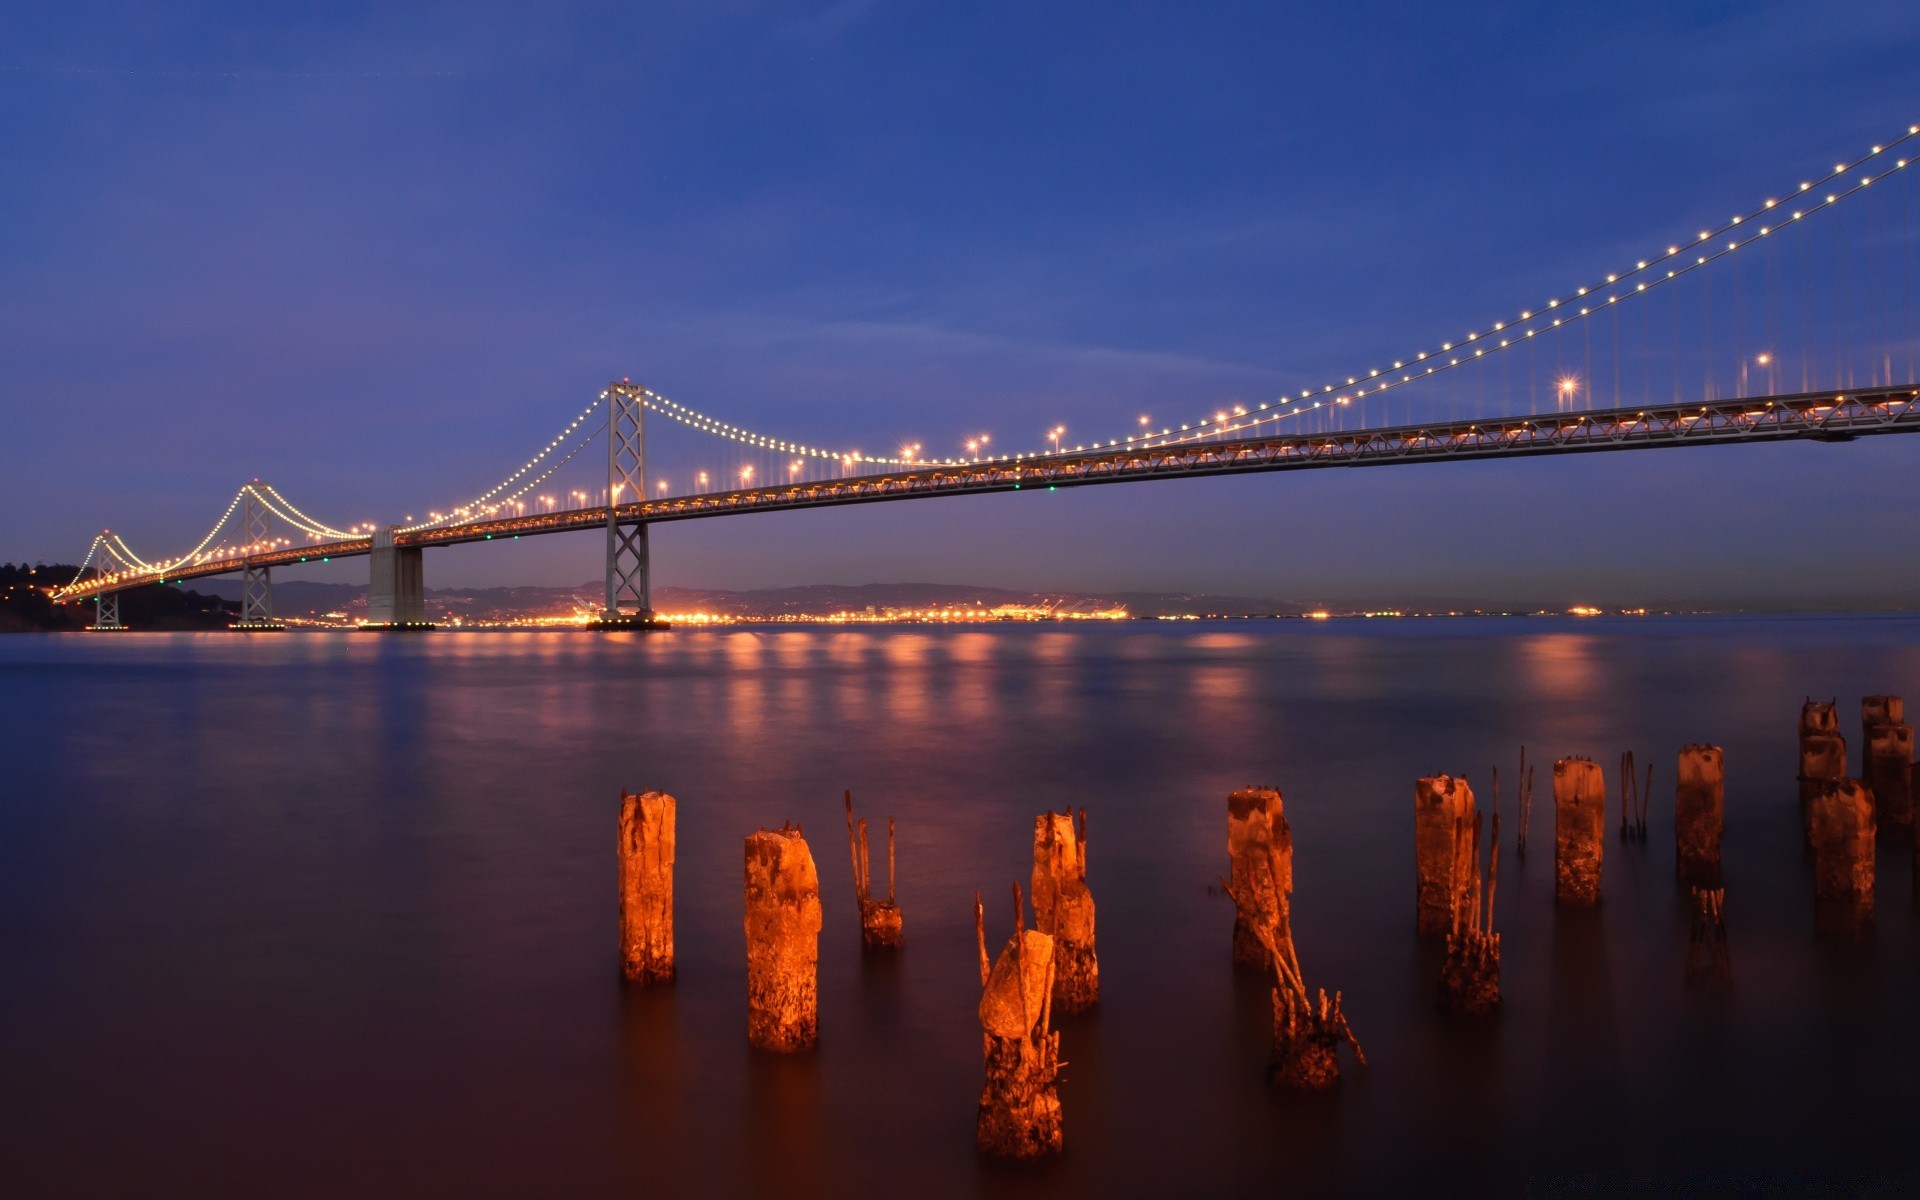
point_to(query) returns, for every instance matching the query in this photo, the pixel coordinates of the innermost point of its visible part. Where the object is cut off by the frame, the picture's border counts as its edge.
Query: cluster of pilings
(1052, 966)
(1454, 894)
(1842, 817)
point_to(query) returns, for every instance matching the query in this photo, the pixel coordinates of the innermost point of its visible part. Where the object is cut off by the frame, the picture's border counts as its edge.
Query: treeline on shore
(26, 608)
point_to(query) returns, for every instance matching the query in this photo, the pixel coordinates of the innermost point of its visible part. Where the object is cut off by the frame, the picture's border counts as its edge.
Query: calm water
(335, 914)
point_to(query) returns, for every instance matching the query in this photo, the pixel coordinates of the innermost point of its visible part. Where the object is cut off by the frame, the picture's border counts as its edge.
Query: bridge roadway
(1819, 416)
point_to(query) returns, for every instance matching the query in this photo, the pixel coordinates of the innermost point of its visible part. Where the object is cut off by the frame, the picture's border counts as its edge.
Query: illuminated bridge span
(1687, 347)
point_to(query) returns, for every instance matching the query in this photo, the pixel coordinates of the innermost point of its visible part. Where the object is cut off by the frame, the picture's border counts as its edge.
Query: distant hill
(505, 603)
(24, 607)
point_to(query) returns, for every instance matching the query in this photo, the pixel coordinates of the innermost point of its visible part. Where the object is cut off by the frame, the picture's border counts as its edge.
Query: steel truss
(106, 611)
(628, 567)
(256, 590)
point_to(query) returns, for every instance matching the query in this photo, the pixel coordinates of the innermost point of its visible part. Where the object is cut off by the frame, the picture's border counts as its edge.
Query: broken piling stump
(646, 885)
(1881, 710)
(1255, 821)
(1708, 960)
(1819, 716)
(1843, 835)
(1579, 814)
(1878, 714)
(1470, 976)
(783, 941)
(1019, 1114)
(1063, 907)
(1440, 803)
(1699, 815)
(1889, 772)
(879, 919)
(1823, 761)
(1307, 1032)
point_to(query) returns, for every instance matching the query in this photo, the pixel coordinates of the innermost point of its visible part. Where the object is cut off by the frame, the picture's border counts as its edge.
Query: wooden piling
(1470, 976)
(1579, 816)
(1819, 716)
(1307, 1032)
(1881, 710)
(1889, 773)
(1881, 745)
(880, 924)
(1063, 907)
(1019, 1115)
(1440, 804)
(646, 885)
(783, 941)
(1823, 761)
(1843, 838)
(1255, 821)
(1699, 815)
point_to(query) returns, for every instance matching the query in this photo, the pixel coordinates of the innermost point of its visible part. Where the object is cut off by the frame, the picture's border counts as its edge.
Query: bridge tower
(256, 591)
(106, 613)
(629, 590)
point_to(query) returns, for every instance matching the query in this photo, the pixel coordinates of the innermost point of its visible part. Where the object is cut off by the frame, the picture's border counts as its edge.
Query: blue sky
(378, 254)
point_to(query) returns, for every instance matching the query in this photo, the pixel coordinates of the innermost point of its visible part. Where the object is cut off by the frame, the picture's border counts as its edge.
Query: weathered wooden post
(1819, 716)
(1019, 1113)
(646, 885)
(879, 919)
(783, 941)
(1579, 814)
(1889, 771)
(1306, 1033)
(1843, 837)
(1470, 976)
(1823, 761)
(1880, 710)
(1699, 815)
(1063, 907)
(1440, 804)
(1254, 822)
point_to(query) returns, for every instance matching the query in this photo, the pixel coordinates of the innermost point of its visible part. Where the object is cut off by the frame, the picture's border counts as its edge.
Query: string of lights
(84, 564)
(297, 519)
(718, 428)
(1576, 304)
(1644, 276)
(500, 505)
(479, 503)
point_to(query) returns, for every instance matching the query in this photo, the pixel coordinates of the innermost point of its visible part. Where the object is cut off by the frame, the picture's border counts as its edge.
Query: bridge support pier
(106, 614)
(256, 592)
(396, 585)
(629, 564)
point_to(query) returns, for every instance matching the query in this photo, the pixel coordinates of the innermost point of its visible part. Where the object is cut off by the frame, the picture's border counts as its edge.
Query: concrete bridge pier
(396, 585)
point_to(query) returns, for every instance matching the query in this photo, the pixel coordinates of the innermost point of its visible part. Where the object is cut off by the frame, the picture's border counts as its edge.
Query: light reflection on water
(346, 902)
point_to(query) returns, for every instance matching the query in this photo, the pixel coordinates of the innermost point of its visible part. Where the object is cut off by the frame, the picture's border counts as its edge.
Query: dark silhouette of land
(25, 606)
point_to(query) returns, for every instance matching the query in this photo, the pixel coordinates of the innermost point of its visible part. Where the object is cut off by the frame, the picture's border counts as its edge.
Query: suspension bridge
(1795, 319)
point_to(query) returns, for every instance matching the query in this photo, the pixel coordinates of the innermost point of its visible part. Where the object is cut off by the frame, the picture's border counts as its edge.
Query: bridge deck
(1820, 416)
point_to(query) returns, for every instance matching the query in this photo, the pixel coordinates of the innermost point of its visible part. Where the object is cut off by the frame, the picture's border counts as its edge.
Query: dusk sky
(378, 257)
